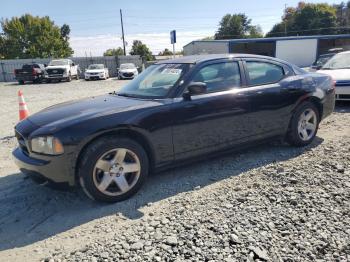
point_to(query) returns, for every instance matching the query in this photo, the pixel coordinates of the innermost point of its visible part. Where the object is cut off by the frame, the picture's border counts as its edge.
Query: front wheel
(113, 169)
(304, 125)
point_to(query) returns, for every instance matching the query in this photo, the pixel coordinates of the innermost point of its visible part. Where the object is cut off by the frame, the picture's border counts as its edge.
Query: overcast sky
(95, 25)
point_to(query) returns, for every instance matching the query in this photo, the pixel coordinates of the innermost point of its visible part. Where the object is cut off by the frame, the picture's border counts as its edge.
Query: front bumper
(94, 77)
(127, 75)
(342, 93)
(53, 168)
(57, 77)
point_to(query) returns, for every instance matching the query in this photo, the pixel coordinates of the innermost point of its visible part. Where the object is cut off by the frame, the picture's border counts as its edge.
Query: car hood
(79, 110)
(128, 70)
(57, 67)
(95, 71)
(339, 74)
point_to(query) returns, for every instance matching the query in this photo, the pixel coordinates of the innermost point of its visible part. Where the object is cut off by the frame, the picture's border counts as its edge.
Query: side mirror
(195, 88)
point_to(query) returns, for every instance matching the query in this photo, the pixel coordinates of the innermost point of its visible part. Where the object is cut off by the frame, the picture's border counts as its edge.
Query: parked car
(30, 73)
(96, 71)
(321, 61)
(338, 68)
(62, 69)
(127, 71)
(176, 110)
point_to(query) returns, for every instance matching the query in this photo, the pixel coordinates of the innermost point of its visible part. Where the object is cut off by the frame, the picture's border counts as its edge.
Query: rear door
(273, 91)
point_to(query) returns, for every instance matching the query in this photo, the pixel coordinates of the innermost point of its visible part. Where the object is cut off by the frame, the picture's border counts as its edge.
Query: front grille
(128, 74)
(21, 142)
(342, 83)
(344, 96)
(58, 71)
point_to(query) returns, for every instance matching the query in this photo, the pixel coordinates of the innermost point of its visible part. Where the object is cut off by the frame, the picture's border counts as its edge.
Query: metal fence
(7, 67)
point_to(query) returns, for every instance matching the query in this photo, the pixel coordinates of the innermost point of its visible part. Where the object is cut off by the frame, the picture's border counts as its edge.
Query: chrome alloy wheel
(116, 171)
(307, 124)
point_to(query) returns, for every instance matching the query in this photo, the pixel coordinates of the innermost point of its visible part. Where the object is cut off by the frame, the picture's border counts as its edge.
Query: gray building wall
(7, 67)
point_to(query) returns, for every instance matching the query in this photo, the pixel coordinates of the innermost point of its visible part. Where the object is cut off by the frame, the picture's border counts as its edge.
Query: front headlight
(47, 145)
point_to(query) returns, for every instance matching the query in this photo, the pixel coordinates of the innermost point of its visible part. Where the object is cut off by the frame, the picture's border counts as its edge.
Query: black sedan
(174, 111)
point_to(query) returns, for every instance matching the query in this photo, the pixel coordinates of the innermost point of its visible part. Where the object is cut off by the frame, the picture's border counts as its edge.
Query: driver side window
(219, 77)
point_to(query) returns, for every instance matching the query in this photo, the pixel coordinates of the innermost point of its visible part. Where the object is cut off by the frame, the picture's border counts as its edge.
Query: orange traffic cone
(23, 109)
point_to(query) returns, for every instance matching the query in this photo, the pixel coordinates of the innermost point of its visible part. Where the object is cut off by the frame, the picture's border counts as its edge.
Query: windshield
(96, 66)
(339, 61)
(156, 81)
(58, 62)
(127, 66)
(322, 60)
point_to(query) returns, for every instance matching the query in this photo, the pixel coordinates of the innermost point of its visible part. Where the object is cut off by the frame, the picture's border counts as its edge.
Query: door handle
(290, 88)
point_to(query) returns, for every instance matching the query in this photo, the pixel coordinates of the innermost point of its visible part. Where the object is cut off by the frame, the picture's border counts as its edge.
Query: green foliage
(34, 37)
(166, 52)
(138, 48)
(114, 52)
(237, 26)
(307, 19)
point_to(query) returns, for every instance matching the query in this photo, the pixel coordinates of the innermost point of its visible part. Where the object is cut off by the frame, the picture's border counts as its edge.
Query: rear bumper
(53, 168)
(27, 78)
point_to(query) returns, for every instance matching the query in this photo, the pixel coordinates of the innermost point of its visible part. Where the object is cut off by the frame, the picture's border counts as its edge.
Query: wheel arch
(315, 101)
(131, 133)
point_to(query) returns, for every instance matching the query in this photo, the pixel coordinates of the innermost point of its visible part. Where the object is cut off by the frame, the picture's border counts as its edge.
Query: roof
(272, 39)
(194, 59)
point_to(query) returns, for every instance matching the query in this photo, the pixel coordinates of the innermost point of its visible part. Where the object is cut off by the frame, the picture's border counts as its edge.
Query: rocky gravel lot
(270, 203)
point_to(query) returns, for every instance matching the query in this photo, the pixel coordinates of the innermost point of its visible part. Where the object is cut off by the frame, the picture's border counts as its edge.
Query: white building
(299, 50)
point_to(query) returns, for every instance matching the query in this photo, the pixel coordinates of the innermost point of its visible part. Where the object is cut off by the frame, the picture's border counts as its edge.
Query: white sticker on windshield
(172, 71)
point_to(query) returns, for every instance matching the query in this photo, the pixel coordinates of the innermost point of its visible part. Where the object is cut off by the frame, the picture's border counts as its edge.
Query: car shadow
(30, 212)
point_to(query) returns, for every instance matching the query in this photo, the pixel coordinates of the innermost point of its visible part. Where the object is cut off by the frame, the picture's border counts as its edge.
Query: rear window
(262, 73)
(298, 70)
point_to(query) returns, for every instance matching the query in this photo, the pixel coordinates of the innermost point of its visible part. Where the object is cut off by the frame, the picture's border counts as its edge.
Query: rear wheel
(113, 169)
(304, 125)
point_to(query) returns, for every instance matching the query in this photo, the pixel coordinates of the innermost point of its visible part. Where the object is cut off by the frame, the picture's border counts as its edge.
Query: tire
(48, 81)
(296, 135)
(97, 165)
(21, 82)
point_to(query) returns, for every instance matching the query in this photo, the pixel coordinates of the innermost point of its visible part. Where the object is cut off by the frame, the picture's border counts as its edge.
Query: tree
(237, 26)
(307, 19)
(166, 52)
(114, 52)
(138, 48)
(34, 37)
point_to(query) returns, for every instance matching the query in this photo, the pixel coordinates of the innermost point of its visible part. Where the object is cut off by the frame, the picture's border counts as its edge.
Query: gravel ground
(270, 203)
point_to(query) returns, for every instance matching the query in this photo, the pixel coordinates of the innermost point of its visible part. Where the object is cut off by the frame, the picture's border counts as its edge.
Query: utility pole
(285, 19)
(121, 21)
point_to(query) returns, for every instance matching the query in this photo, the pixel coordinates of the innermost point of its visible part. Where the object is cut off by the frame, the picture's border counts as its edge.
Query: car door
(213, 120)
(73, 68)
(273, 91)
